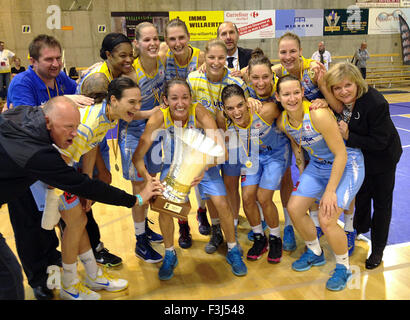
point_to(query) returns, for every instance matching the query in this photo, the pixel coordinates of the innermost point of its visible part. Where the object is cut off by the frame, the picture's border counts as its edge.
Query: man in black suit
(238, 57)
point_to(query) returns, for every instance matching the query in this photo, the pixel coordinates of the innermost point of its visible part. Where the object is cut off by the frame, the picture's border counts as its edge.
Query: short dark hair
(287, 77)
(118, 85)
(172, 82)
(232, 90)
(258, 58)
(41, 41)
(110, 41)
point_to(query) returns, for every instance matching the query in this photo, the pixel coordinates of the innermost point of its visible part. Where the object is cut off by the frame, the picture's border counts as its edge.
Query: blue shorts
(232, 167)
(269, 174)
(232, 170)
(68, 201)
(313, 181)
(212, 184)
(128, 141)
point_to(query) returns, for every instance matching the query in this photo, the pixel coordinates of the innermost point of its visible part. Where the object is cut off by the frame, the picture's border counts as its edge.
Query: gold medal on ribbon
(311, 73)
(248, 164)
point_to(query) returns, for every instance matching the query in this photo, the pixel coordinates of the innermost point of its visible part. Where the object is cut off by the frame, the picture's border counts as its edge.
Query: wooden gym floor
(201, 276)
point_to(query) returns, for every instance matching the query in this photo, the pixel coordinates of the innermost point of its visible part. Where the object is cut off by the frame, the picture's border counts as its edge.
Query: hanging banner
(305, 23)
(202, 25)
(378, 3)
(353, 20)
(386, 20)
(405, 40)
(253, 24)
(125, 22)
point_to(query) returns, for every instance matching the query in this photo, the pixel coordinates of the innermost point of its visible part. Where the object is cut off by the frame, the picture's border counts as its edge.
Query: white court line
(403, 129)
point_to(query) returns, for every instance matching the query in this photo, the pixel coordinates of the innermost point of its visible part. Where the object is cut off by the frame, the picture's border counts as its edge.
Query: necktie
(230, 62)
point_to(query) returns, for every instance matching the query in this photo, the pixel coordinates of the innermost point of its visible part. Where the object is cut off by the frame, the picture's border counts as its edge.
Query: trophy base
(176, 210)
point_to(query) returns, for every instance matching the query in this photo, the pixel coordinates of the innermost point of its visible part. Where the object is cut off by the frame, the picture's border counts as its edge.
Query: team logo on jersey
(69, 197)
(295, 188)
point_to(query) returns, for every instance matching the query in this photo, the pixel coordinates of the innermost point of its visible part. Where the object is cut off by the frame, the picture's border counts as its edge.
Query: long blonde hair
(346, 70)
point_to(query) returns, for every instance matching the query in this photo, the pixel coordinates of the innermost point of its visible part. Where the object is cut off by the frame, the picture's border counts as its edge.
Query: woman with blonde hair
(206, 87)
(150, 76)
(365, 123)
(333, 176)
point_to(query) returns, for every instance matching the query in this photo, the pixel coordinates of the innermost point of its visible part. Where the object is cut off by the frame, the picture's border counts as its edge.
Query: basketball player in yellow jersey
(116, 51)
(182, 59)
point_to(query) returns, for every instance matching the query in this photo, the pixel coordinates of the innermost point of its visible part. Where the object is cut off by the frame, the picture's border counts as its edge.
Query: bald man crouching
(28, 140)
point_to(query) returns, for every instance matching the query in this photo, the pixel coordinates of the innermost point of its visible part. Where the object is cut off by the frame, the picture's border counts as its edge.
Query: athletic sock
(288, 221)
(257, 229)
(139, 228)
(231, 245)
(215, 221)
(90, 265)
(314, 246)
(69, 274)
(348, 222)
(343, 259)
(314, 216)
(274, 232)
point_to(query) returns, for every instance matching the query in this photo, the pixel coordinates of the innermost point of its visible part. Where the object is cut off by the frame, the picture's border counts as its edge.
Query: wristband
(140, 202)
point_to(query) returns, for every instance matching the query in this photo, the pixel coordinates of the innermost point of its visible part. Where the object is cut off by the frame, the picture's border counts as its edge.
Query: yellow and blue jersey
(91, 131)
(270, 98)
(173, 69)
(103, 68)
(208, 93)
(311, 90)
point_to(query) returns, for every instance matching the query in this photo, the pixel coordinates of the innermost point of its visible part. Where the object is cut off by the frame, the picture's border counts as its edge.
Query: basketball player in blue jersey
(333, 176)
(264, 155)
(307, 71)
(181, 59)
(150, 77)
(206, 87)
(183, 112)
(262, 86)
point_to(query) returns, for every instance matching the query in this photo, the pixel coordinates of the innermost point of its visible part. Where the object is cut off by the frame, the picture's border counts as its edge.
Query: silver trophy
(193, 152)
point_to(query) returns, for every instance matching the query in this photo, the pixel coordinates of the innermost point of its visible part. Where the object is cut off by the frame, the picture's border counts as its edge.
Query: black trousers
(11, 277)
(363, 71)
(379, 189)
(36, 247)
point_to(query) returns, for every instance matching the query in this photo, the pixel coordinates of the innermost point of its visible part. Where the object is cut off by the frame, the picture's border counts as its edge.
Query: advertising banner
(202, 25)
(304, 23)
(386, 20)
(253, 24)
(405, 40)
(378, 3)
(353, 20)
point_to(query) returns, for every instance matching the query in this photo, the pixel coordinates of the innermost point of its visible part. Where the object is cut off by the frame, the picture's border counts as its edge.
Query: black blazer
(244, 56)
(372, 130)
